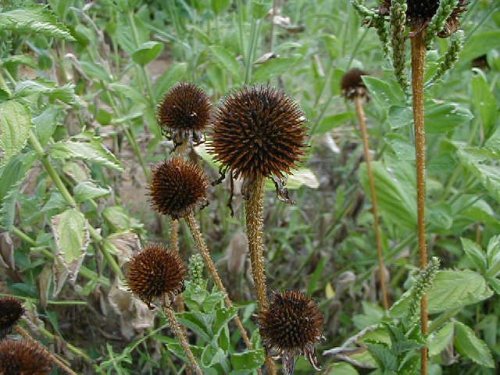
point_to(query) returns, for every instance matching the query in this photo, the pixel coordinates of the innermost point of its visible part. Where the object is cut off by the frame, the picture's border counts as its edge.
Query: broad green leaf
(386, 93)
(219, 6)
(249, 360)
(475, 254)
(331, 122)
(174, 73)
(456, 289)
(15, 123)
(470, 346)
(198, 322)
(226, 60)
(484, 101)
(273, 67)
(45, 124)
(88, 190)
(118, 219)
(94, 71)
(214, 357)
(342, 368)
(64, 93)
(397, 204)
(439, 340)
(92, 151)
(34, 21)
(493, 256)
(147, 52)
(480, 44)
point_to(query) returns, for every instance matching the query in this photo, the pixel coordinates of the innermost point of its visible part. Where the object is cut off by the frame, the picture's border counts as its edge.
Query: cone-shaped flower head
(259, 131)
(178, 187)
(184, 112)
(156, 272)
(11, 311)
(420, 12)
(352, 84)
(23, 358)
(291, 326)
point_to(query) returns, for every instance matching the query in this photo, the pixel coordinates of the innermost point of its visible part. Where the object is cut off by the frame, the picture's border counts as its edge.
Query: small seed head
(23, 358)
(11, 311)
(156, 272)
(259, 131)
(178, 187)
(352, 84)
(420, 12)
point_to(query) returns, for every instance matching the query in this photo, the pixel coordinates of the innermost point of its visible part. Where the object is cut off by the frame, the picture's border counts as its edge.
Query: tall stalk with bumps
(422, 21)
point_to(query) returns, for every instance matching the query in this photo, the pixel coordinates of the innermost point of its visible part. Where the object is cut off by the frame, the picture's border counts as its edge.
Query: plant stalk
(205, 253)
(417, 77)
(358, 102)
(176, 329)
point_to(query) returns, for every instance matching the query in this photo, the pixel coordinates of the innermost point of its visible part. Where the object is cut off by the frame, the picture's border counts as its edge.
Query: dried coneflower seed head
(178, 187)
(23, 358)
(420, 12)
(156, 272)
(259, 131)
(184, 111)
(352, 84)
(291, 326)
(11, 311)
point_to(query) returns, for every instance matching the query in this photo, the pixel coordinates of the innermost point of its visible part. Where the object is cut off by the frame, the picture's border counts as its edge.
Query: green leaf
(470, 346)
(45, 124)
(198, 322)
(439, 340)
(384, 92)
(94, 71)
(64, 93)
(493, 256)
(396, 202)
(475, 254)
(118, 219)
(92, 151)
(226, 60)
(249, 360)
(15, 123)
(456, 289)
(273, 67)
(34, 21)
(147, 52)
(219, 6)
(484, 101)
(384, 356)
(480, 44)
(175, 73)
(334, 121)
(86, 190)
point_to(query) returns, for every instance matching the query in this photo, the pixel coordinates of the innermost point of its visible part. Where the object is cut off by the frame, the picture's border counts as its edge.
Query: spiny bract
(11, 311)
(258, 131)
(23, 358)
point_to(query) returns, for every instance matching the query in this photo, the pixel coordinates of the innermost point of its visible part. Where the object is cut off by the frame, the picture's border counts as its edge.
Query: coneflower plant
(258, 133)
(177, 189)
(421, 21)
(291, 326)
(354, 89)
(23, 357)
(158, 274)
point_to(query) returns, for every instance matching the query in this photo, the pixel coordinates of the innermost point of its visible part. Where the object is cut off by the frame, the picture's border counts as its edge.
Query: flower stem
(51, 356)
(176, 329)
(205, 253)
(358, 102)
(418, 63)
(254, 210)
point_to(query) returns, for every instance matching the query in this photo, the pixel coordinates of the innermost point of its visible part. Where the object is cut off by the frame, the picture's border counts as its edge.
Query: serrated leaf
(92, 151)
(34, 21)
(470, 346)
(439, 340)
(147, 52)
(493, 257)
(65, 93)
(86, 190)
(475, 254)
(15, 123)
(45, 124)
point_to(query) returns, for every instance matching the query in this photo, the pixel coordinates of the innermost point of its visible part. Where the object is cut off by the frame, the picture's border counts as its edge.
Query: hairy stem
(51, 356)
(418, 63)
(254, 210)
(205, 253)
(176, 329)
(358, 101)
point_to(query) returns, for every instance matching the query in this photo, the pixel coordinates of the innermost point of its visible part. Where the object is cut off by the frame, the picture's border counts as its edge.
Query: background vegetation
(79, 84)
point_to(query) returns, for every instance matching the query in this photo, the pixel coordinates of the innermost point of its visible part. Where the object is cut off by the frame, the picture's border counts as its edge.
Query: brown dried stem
(418, 63)
(358, 102)
(178, 332)
(205, 253)
(51, 356)
(254, 210)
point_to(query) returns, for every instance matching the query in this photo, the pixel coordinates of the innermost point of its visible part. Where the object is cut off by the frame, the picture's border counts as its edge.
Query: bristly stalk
(358, 102)
(178, 332)
(397, 27)
(422, 285)
(383, 35)
(418, 50)
(439, 19)
(450, 58)
(205, 253)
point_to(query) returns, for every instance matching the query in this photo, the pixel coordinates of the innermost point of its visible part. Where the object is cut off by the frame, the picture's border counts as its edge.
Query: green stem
(23, 236)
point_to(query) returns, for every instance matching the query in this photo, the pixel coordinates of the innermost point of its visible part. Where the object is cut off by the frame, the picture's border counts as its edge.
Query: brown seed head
(11, 311)
(420, 12)
(259, 131)
(23, 358)
(292, 325)
(352, 84)
(178, 187)
(156, 272)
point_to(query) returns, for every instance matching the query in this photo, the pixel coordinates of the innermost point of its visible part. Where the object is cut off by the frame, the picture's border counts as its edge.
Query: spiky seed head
(178, 187)
(352, 84)
(258, 131)
(156, 272)
(420, 12)
(23, 358)
(11, 311)
(291, 326)
(453, 22)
